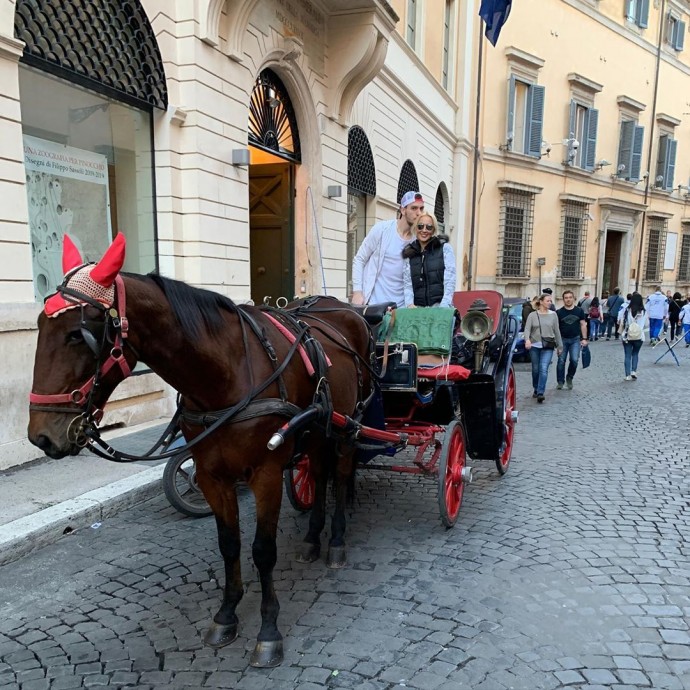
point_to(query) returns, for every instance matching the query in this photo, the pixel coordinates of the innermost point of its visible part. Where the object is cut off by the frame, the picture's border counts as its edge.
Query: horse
(251, 366)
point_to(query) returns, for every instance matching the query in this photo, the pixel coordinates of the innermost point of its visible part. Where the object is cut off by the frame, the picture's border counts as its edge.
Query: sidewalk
(44, 499)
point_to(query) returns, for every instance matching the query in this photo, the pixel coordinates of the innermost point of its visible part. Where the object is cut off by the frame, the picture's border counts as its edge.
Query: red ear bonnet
(71, 258)
(109, 266)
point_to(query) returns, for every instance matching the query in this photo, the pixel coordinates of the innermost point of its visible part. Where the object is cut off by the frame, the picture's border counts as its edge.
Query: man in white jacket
(377, 269)
(657, 313)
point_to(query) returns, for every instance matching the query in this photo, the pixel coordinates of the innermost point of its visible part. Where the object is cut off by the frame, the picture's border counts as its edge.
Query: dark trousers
(611, 324)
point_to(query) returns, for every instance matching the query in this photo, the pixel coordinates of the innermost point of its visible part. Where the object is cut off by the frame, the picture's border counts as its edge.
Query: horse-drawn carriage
(265, 389)
(468, 398)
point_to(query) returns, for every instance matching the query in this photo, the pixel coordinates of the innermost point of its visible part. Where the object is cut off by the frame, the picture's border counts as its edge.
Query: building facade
(585, 161)
(240, 145)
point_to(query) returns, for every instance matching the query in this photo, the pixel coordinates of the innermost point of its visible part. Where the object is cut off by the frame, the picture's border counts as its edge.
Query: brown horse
(220, 357)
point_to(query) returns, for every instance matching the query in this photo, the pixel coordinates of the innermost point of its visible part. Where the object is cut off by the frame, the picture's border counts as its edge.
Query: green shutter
(510, 132)
(636, 163)
(670, 164)
(536, 120)
(625, 147)
(591, 125)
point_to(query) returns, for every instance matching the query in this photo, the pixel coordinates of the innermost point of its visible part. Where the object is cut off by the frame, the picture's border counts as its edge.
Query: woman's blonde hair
(427, 214)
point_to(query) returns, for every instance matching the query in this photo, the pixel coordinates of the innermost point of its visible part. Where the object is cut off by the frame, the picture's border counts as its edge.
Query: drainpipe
(651, 143)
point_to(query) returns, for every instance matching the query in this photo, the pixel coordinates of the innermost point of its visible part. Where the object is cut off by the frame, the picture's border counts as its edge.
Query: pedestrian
(377, 269)
(429, 266)
(595, 319)
(604, 306)
(542, 337)
(585, 303)
(684, 319)
(675, 304)
(632, 323)
(573, 327)
(614, 302)
(657, 312)
(527, 308)
(549, 291)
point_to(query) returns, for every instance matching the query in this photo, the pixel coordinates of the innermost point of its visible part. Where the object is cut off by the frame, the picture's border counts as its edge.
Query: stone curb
(27, 534)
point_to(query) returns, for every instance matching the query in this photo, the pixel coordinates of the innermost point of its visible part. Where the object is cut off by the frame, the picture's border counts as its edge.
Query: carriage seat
(373, 313)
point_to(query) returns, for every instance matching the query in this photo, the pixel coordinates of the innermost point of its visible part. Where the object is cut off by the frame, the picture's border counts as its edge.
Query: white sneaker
(628, 378)
(633, 374)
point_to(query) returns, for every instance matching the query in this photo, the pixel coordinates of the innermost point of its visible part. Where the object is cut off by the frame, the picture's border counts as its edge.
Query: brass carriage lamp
(476, 326)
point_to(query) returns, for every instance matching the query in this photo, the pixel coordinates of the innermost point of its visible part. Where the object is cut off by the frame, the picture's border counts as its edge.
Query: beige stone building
(240, 145)
(585, 160)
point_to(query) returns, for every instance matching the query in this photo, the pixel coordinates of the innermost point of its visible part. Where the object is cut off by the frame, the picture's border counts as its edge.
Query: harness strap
(257, 408)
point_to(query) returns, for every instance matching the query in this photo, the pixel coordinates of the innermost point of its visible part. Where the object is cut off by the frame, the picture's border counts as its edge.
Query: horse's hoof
(309, 553)
(267, 654)
(220, 635)
(337, 557)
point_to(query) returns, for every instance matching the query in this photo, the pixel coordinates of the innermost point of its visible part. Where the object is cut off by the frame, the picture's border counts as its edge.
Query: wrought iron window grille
(408, 181)
(516, 226)
(361, 173)
(656, 246)
(684, 260)
(440, 207)
(573, 240)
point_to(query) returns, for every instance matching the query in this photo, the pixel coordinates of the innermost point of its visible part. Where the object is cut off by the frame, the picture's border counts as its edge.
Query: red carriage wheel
(299, 485)
(451, 473)
(509, 421)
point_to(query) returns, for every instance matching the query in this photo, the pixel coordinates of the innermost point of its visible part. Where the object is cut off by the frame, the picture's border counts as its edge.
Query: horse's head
(81, 336)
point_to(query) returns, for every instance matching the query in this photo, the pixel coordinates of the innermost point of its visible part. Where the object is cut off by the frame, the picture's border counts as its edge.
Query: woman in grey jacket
(542, 337)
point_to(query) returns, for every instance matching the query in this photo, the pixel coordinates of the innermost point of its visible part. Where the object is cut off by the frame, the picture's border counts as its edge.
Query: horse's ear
(109, 266)
(71, 258)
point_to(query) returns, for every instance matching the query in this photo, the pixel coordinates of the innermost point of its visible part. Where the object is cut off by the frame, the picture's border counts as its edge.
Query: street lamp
(541, 261)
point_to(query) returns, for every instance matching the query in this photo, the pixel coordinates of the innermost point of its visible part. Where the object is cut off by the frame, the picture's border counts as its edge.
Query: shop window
(89, 173)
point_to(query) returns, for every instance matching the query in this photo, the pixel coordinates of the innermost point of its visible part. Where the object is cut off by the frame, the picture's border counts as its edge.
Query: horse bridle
(113, 329)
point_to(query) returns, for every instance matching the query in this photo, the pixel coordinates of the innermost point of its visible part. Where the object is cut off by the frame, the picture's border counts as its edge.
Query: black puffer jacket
(427, 270)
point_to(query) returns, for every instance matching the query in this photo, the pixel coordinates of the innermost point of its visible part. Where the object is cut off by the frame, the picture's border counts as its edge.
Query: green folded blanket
(431, 328)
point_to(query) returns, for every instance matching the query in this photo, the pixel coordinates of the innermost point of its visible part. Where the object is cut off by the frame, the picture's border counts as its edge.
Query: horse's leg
(223, 628)
(337, 556)
(268, 491)
(311, 548)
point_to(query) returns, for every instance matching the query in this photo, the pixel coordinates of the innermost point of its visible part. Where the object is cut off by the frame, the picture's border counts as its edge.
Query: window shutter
(625, 147)
(571, 120)
(636, 165)
(680, 36)
(591, 125)
(661, 161)
(510, 132)
(643, 13)
(536, 119)
(630, 9)
(670, 163)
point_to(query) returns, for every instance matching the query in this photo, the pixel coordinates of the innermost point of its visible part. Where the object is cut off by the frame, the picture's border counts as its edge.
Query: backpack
(633, 331)
(594, 312)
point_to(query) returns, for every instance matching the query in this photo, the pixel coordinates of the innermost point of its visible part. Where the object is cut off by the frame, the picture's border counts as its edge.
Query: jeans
(541, 359)
(655, 328)
(611, 324)
(594, 328)
(686, 331)
(632, 353)
(571, 346)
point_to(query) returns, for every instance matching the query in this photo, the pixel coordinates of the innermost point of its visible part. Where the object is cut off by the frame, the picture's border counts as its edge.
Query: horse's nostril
(43, 442)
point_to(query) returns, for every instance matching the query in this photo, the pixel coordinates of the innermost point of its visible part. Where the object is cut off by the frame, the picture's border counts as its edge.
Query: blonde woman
(542, 338)
(429, 266)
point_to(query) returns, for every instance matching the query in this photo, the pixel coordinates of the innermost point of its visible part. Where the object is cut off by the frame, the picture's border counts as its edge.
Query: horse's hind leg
(268, 490)
(223, 628)
(311, 548)
(337, 555)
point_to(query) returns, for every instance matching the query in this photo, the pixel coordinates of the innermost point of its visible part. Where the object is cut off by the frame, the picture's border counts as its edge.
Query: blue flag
(494, 13)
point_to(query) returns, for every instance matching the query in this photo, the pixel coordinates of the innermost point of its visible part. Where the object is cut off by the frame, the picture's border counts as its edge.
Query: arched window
(361, 174)
(408, 181)
(272, 122)
(441, 205)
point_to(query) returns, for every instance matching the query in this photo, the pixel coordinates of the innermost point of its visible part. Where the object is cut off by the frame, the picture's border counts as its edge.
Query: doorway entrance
(271, 235)
(612, 260)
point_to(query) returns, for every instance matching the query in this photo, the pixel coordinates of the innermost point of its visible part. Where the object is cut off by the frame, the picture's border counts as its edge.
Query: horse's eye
(75, 337)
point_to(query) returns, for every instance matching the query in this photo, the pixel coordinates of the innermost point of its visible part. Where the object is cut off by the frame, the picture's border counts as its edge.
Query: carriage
(448, 414)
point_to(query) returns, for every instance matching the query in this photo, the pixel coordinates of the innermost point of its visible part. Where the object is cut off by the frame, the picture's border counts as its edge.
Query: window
(630, 151)
(408, 180)
(525, 117)
(573, 240)
(411, 34)
(445, 68)
(675, 32)
(656, 246)
(515, 234)
(637, 11)
(666, 162)
(440, 204)
(684, 263)
(584, 122)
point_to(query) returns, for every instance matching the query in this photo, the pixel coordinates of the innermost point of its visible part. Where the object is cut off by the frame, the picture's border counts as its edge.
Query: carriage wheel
(451, 480)
(509, 421)
(300, 485)
(181, 488)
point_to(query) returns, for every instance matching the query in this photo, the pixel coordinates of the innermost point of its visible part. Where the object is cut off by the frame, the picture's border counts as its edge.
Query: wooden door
(271, 232)
(612, 260)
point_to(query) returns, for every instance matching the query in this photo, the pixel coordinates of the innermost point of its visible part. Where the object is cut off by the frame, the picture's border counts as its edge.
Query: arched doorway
(274, 152)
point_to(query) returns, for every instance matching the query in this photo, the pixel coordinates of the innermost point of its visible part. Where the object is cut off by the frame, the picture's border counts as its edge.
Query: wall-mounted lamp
(240, 157)
(334, 191)
(601, 164)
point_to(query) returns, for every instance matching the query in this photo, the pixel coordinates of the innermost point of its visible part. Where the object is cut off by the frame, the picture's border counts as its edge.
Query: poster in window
(67, 192)
(670, 255)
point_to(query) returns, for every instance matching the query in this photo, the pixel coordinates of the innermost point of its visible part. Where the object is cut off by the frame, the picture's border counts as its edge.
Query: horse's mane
(196, 310)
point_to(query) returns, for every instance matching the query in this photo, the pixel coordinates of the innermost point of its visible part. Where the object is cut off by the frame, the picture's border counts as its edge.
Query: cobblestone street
(572, 571)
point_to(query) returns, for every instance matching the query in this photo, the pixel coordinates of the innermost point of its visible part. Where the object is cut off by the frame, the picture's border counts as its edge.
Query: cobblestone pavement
(571, 571)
